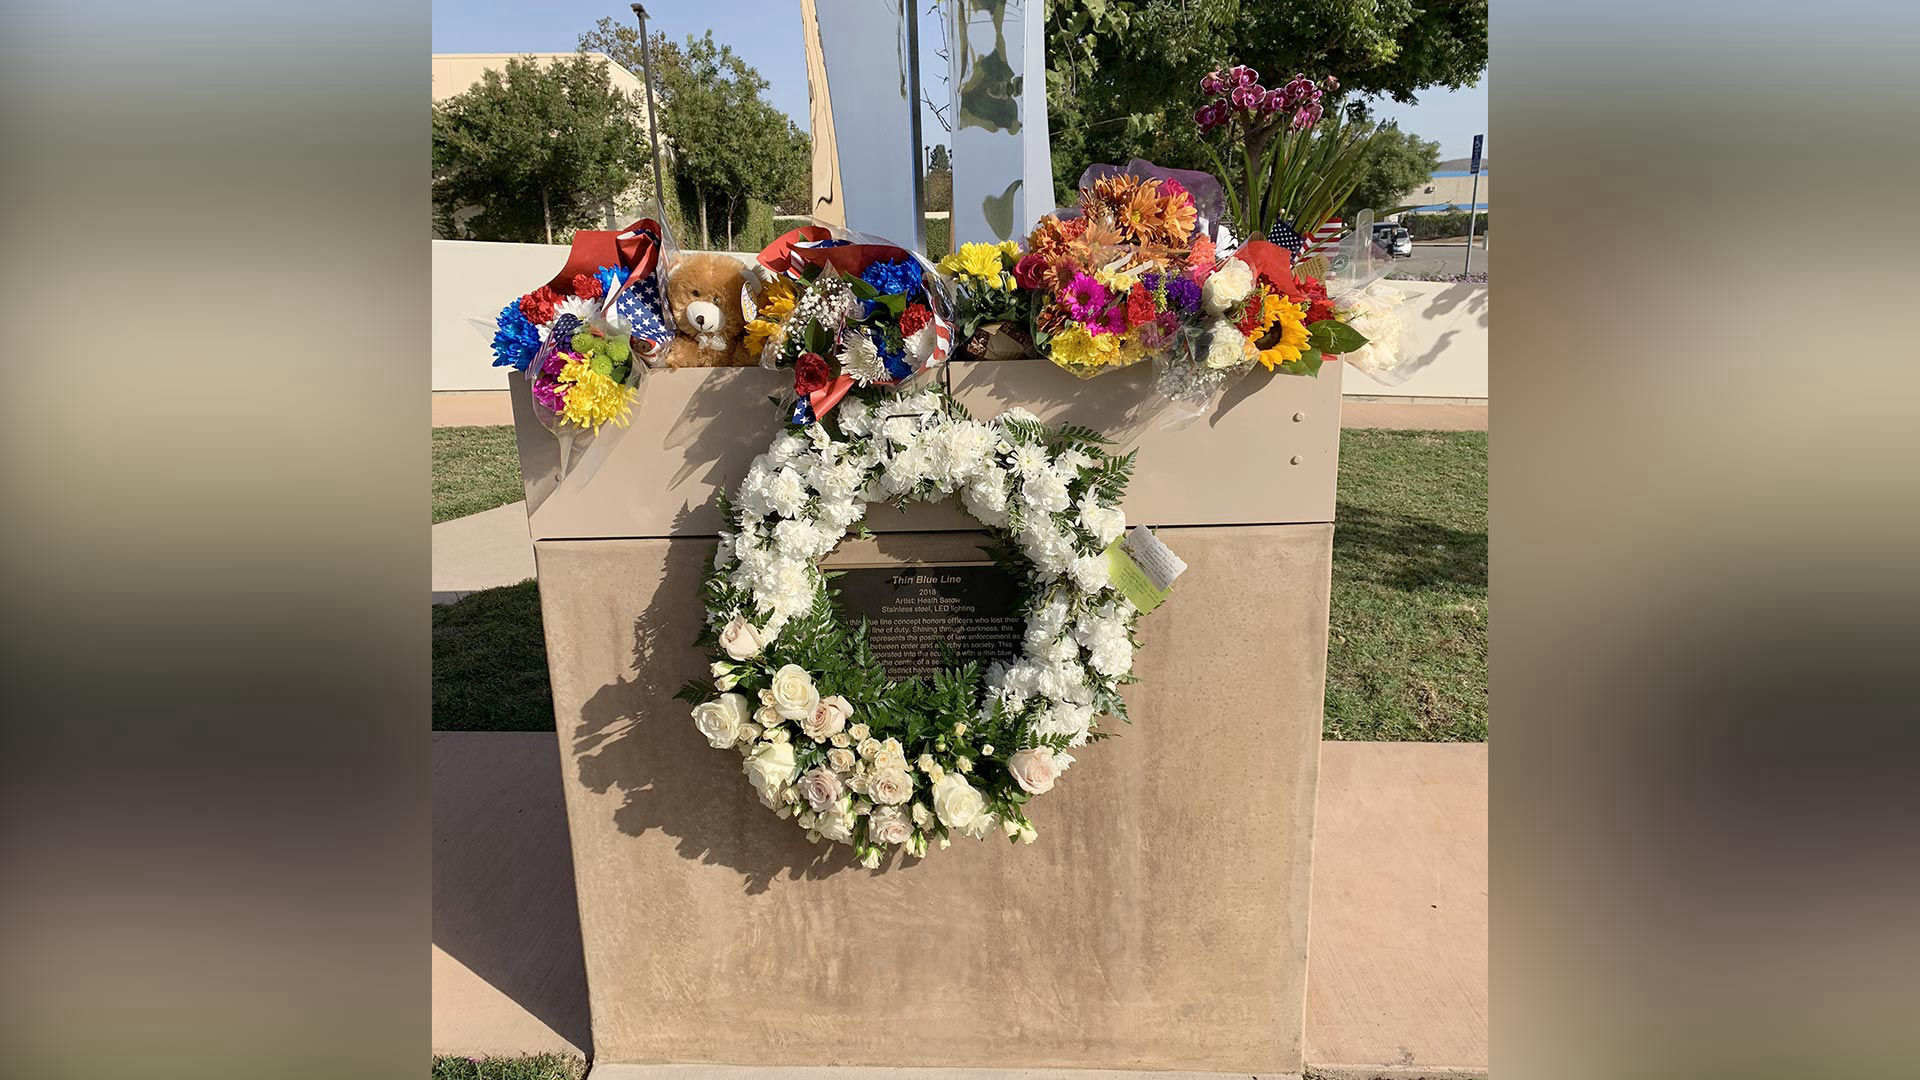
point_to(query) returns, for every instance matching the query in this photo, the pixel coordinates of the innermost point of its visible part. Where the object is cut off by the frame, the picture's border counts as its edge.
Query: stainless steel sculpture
(1002, 166)
(870, 52)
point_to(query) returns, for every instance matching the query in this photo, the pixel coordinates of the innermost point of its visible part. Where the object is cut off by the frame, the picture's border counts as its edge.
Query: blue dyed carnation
(901, 278)
(515, 341)
(894, 358)
(611, 278)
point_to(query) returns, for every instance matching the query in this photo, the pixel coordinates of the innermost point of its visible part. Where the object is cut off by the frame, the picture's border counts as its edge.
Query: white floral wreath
(827, 738)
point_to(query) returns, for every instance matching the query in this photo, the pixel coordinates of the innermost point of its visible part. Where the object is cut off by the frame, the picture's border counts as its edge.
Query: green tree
(937, 158)
(730, 145)
(1396, 163)
(540, 149)
(1106, 105)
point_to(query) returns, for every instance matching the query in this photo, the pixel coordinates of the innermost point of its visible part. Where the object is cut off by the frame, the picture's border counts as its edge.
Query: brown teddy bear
(703, 296)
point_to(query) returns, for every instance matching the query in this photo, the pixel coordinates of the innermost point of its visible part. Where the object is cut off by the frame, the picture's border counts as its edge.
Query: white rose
(888, 825)
(1227, 286)
(841, 760)
(836, 823)
(828, 718)
(1033, 770)
(1226, 347)
(769, 765)
(957, 804)
(859, 732)
(721, 720)
(794, 695)
(889, 755)
(869, 746)
(890, 786)
(741, 639)
(820, 787)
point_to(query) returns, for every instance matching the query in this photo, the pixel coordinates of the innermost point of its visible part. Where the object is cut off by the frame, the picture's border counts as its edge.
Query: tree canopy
(1105, 105)
(1396, 164)
(532, 152)
(729, 144)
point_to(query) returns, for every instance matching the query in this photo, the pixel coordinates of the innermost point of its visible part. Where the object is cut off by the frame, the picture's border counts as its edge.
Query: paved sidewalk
(481, 551)
(1397, 952)
(1405, 416)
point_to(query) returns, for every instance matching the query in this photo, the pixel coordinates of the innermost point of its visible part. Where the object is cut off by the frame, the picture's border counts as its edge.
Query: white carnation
(1090, 572)
(787, 493)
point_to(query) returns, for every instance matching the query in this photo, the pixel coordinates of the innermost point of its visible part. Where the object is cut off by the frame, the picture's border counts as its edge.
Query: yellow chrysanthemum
(1117, 283)
(1009, 250)
(1291, 325)
(1072, 348)
(594, 399)
(1132, 347)
(974, 260)
(775, 307)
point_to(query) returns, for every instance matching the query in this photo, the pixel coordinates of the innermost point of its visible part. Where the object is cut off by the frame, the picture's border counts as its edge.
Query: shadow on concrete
(503, 892)
(634, 738)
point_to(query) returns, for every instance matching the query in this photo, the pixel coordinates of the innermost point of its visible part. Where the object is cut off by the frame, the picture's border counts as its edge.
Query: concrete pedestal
(1159, 922)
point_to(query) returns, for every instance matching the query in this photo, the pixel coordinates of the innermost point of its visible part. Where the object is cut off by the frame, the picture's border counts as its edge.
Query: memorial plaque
(921, 618)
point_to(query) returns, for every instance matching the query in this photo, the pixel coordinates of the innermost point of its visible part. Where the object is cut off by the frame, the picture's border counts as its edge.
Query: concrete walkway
(481, 551)
(1397, 956)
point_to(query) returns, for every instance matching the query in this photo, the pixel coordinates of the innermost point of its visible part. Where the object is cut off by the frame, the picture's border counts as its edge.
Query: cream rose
(769, 765)
(820, 787)
(720, 720)
(889, 755)
(890, 786)
(841, 759)
(741, 639)
(888, 825)
(1033, 770)
(828, 718)
(793, 692)
(1231, 283)
(957, 804)
(836, 824)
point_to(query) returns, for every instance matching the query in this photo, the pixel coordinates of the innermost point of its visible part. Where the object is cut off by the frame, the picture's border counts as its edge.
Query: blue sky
(767, 34)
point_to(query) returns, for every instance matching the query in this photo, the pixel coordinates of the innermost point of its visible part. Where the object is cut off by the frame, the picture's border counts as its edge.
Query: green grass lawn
(534, 1067)
(1406, 656)
(474, 469)
(1407, 633)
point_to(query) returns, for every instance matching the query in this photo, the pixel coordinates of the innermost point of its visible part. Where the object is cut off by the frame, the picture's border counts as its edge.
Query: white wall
(472, 281)
(1446, 341)
(1446, 324)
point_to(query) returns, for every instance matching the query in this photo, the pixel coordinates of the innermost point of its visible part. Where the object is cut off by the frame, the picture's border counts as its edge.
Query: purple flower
(1184, 294)
(1271, 102)
(1212, 84)
(1246, 97)
(1113, 322)
(1085, 297)
(555, 362)
(1306, 118)
(1244, 75)
(551, 395)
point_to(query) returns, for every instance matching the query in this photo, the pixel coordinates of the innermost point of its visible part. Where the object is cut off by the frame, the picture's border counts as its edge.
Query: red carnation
(1250, 321)
(537, 305)
(914, 318)
(1315, 291)
(587, 285)
(1030, 272)
(1139, 306)
(811, 373)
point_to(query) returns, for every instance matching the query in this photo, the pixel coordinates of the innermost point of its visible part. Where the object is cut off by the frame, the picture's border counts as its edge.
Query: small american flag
(1324, 237)
(1282, 234)
(638, 300)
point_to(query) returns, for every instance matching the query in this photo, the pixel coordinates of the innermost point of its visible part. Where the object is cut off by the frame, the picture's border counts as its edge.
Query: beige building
(453, 73)
(1449, 189)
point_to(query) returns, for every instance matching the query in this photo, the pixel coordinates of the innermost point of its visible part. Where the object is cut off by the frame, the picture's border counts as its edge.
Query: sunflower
(1285, 337)
(768, 323)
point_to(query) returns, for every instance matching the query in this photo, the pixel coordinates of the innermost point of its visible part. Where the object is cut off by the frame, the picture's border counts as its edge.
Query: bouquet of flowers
(1296, 170)
(994, 313)
(1251, 307)
(846, 313)
(1100, 274)
(581, 338)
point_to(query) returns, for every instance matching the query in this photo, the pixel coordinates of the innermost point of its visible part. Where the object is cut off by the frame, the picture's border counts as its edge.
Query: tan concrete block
(1158, 923)
(1399, 973)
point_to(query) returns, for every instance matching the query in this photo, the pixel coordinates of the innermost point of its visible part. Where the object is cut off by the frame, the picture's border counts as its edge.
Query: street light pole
(653, 123)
